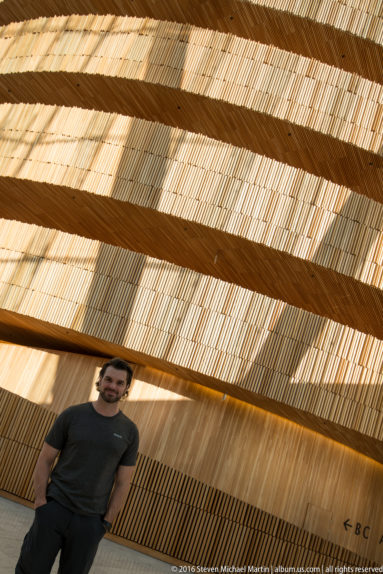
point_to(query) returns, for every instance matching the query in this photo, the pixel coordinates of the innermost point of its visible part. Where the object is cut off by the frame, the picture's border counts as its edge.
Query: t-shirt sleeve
(129, 457)
(58, 434)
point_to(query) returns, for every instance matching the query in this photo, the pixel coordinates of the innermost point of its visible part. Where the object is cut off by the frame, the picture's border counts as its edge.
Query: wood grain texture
(239, 216)
(346, 35)
(218, 66)
(199, 191)
(282, 105)
(53, 380)
(256, 346)
(188, 517)
(33, 332)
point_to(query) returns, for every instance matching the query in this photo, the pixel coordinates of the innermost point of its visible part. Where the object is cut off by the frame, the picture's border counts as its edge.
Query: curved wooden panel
(261, 349)
(295, 225)
(296, 110)
(344, 35)
(194, 237)
(166, 503)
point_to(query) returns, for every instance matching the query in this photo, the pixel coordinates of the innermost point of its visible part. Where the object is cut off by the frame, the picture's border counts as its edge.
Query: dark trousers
(54, 528)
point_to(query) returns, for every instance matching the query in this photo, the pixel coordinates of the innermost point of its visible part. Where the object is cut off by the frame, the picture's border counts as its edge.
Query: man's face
(112, 385)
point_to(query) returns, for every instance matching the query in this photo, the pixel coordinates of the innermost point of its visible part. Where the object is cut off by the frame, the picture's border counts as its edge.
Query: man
(89, 484)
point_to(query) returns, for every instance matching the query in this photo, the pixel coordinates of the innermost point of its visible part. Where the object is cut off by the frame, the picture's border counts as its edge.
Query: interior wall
(257, 457)
(169, 514)
(53, 379)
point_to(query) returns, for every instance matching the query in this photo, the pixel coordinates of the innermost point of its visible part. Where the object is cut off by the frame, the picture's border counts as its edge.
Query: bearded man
(76, 503)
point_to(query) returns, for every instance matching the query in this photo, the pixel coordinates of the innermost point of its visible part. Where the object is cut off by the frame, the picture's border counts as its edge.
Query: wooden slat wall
(251, 455)
(345, 35)
(52, 379)
(206, 526)
(170, 512)
(235, 212)
(322, 130)
(217, 66)
(195, 178)
(209, 327)
(321, 117)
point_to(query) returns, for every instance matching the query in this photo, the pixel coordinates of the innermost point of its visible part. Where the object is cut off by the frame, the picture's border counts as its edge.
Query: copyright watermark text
(190, 569)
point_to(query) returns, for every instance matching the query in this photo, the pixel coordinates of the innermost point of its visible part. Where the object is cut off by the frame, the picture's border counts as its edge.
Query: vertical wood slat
(172, 513)
(294, 104)
(293, 98)
(361, 21)
(324, 348)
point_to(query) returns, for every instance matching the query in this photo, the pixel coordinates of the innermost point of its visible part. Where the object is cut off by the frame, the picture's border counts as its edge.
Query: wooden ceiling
(317, 121)
(344, 36)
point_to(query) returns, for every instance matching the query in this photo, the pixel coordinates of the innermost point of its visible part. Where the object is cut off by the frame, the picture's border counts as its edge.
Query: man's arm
(41, 475)
(122, 482)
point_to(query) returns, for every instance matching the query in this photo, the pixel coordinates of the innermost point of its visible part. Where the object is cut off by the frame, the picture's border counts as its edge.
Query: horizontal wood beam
(340, 39)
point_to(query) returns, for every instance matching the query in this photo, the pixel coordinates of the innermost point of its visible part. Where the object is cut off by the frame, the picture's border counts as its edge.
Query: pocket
(43, 507)
(102, 528)
(44, 514)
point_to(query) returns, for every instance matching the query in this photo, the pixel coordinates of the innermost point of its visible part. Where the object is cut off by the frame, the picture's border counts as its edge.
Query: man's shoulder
(125, 420)
(76, 409)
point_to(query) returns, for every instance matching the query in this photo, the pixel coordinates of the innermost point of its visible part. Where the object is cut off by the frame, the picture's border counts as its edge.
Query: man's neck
(105, 409)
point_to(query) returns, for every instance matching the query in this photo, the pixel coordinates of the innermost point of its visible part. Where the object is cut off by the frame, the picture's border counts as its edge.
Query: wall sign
(360, 529)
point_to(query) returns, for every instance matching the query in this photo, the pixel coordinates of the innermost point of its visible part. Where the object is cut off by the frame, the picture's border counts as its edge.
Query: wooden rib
(151, 322)
(301, 366)
(323, 121)
(322, 227)
(345, 36)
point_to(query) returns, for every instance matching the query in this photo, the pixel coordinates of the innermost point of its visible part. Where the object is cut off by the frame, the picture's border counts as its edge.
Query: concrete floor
(15, 520)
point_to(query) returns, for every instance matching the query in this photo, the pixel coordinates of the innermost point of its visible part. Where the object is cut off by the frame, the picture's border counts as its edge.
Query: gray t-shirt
(92, 447)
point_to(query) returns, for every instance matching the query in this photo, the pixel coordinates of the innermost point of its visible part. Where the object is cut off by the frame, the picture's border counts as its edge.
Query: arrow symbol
(347, 524)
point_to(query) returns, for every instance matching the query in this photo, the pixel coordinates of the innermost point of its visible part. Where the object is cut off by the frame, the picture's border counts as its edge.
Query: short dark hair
(120, 365)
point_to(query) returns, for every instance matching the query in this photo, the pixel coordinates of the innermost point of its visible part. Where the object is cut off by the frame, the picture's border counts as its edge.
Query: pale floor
(15, 520)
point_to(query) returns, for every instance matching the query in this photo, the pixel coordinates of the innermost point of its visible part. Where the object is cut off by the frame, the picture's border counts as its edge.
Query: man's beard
(112, 398)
